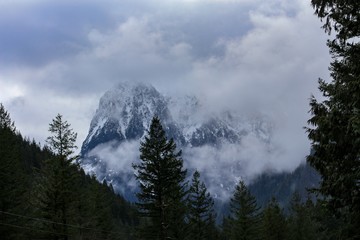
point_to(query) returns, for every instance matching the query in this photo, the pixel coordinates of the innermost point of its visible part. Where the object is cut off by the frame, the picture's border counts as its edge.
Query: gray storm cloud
(249, 56)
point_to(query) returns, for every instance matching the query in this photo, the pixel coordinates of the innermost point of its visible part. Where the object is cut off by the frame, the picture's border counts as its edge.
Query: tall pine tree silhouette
(55, 194)
(201, 213)
(274, 225)
(162, 189)
(245, 215)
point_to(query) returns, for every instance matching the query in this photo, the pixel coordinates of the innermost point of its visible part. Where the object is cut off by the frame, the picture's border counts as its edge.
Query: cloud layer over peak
(251, 56)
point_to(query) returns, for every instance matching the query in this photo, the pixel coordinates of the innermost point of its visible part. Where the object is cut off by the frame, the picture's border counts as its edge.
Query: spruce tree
(328, 227)
(245, 216)
(35, 184)
(55, 193)
(273, 222)
(5, 120)
(335, 122)
(201, 213)
(162, 189)
(302, 225)
(100, 209)
(62, 142)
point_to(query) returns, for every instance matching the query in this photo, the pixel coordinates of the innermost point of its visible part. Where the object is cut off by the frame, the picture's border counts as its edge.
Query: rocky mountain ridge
(217, 144)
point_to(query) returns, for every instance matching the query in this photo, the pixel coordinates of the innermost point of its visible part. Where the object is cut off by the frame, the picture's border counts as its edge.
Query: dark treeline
(334, 132)
(172, 208)
(44, 194)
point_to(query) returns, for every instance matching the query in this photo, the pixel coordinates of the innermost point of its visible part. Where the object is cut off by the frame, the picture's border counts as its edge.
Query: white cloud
(118, 158)
(131, 38)
(252, 56)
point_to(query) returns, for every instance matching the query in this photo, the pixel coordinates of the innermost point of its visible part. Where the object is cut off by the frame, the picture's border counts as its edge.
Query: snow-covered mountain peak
(128, 97)
(213, 142)
(124, 112)
(187, 110)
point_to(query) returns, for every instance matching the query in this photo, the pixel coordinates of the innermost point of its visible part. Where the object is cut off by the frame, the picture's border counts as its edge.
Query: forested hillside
(45, 197)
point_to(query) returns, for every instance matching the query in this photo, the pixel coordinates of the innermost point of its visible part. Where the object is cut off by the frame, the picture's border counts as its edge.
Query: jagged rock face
(124, 113)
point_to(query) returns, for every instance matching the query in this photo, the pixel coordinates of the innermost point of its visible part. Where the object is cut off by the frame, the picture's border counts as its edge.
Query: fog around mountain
(224, 146)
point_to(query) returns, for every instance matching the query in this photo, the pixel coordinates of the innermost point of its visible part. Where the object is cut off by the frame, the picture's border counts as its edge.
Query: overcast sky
(61, 56)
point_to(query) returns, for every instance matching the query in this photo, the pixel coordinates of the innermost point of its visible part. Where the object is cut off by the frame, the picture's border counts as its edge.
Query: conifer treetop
(5, 120)
(62, 141)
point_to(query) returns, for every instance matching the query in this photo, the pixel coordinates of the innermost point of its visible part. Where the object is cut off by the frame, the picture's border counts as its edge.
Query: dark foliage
(273, 222)
(335, 122)
(45, 195)
(201, 216)
(245, 215)
(162, 188)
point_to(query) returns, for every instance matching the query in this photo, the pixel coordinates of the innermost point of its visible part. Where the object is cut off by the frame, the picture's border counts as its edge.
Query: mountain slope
(124, 113)
(224, 147)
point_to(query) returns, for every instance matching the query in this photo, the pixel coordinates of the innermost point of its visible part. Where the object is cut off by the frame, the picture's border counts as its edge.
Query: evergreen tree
(62, 142)
(12, 176)
(201, 213)
(273, 222)
(33, 190)
(245, 215)
(7, 157)
(335, 122)
(301, 223)
(55, 190)
(162, 188)
(5, 120)
(100, 207)
(226, 228)
(328, 227)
